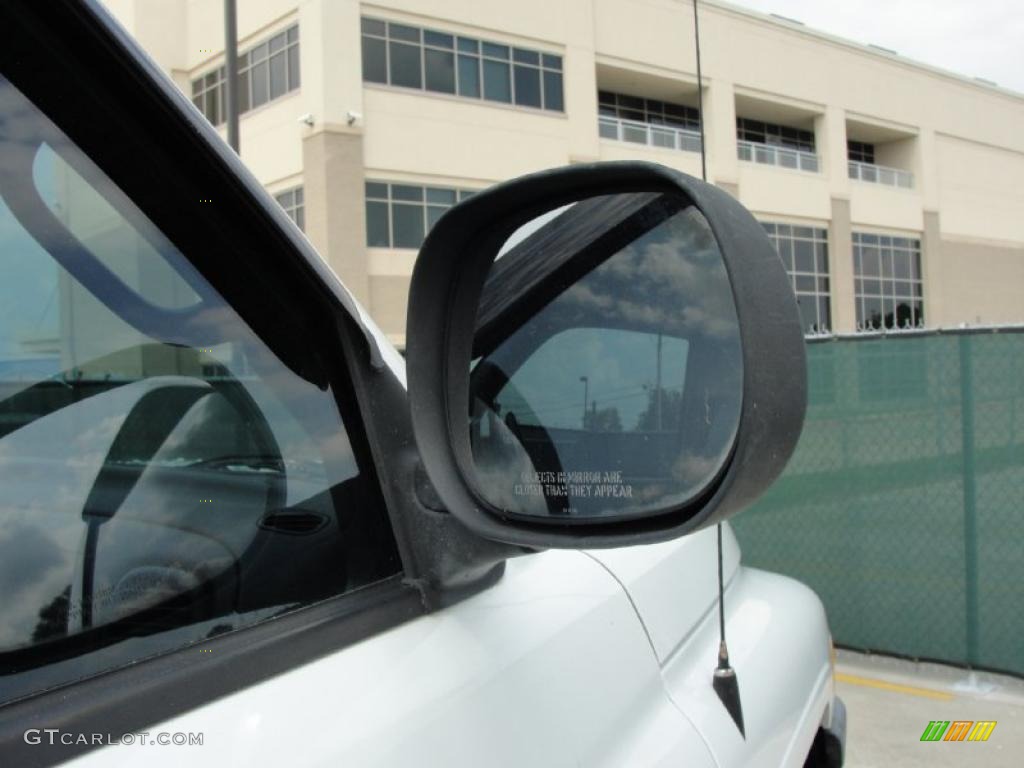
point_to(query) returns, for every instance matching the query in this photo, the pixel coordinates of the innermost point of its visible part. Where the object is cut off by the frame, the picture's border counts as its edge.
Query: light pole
(657, 386)
(586, 395)
(231, 72)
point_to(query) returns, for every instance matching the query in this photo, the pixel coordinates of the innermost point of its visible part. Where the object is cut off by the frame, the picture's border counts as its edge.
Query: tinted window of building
(400, 215)
(860, 151)
(777, 135)
(265, 72)
(426, 59)
(294, 204)
(651, 111)
(804, 254)
(888, 287)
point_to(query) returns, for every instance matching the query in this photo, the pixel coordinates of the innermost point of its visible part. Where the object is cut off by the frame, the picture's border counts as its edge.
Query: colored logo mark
(958, 730)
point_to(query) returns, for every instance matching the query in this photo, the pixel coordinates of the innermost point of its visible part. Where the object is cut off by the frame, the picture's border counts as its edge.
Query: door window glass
(166, 477)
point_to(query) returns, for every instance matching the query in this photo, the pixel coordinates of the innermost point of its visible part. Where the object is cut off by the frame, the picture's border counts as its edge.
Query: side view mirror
(602, 355)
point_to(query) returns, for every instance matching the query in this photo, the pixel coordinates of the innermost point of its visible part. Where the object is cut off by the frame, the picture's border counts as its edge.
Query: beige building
(893, 190)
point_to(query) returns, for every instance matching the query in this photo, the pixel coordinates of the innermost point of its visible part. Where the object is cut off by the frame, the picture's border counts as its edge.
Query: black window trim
(130, 698)
(441, 561)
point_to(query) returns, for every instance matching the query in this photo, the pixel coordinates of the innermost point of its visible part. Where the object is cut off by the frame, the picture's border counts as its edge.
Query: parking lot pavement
(891, 701)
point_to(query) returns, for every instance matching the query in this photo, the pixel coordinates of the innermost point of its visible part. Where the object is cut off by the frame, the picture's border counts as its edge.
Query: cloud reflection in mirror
(608, 348)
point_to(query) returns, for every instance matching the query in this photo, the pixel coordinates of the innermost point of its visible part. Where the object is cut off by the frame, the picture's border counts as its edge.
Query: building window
(758, 132)
(888, 288)
(208, 95)
(647, 110)
(770, 144)
(294, 204)
(400, 215)
(265, 72)
(648, 121)
(860, 152)
(862, 167)
(804, 254)
(425, 59)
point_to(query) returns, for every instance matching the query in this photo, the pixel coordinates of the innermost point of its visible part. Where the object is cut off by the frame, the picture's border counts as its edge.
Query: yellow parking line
(910, 690)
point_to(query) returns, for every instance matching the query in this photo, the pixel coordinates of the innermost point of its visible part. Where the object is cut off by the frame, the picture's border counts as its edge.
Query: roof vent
(786, 18)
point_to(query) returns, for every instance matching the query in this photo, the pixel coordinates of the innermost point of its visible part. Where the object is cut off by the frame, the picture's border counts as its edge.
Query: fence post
(970, 499)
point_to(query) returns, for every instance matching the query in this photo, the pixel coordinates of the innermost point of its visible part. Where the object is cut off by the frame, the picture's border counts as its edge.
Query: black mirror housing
(449, 283)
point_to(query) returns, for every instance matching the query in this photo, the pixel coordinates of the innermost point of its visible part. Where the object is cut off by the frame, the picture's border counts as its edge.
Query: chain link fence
(903, 506)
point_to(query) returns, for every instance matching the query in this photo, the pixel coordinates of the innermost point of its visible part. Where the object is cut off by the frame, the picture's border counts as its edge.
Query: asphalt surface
(891, 701)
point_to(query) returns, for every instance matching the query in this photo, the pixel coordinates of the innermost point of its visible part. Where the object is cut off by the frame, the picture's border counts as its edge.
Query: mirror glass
(606, 378)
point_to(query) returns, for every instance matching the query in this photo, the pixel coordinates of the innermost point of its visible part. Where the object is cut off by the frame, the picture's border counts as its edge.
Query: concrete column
(580, 83)
(931, 271)
(840, 266)
(926, 169)
(333, 177)
(720, 133)
(830, 140)
(331, 60)
(926, 173)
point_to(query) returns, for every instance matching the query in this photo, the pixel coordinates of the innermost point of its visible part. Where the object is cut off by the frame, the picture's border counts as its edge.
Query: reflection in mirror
(607, 375)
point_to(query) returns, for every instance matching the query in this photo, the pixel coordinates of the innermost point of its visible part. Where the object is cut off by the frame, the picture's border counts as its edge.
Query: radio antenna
(724, 679)
(700, 96)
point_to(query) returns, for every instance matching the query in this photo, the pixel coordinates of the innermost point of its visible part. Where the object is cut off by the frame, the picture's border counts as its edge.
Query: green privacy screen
(903, 506)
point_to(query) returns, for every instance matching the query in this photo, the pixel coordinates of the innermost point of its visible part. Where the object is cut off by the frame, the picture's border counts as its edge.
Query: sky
(976, 38)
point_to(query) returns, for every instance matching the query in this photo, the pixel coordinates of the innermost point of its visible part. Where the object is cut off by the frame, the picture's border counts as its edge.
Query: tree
(671, 407)
(603, 420)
